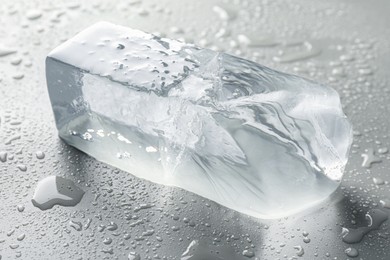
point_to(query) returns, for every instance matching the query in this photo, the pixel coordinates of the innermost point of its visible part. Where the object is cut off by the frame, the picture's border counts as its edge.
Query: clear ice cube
(253, 139)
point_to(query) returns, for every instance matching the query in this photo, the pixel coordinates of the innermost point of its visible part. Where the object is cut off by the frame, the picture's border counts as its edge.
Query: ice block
(256, 140)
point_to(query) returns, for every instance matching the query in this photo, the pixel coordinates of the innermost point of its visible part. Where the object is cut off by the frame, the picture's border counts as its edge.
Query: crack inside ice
(253, 139)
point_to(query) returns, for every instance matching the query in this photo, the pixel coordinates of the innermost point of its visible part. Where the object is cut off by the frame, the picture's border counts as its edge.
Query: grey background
(351, 42)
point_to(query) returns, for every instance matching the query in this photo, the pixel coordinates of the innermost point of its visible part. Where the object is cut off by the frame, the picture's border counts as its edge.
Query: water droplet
(108, 251)
(225, 13)
(33, 14)
(73, 5)
(148, 232)
(203, 250)
(4, 51)
(3, 156)
(16, 61)
(76, 225)
(21, 237)
(248, 253)
(40, 155)
(107, 241)
(134, 256)
(12, 138)
(175, 228)
(176, 30)
(351, 252)
(13, 246)
(383, 150)
(300, 251)
(22, 167)
(86, 226)
(306, 240)
(385, 203)
(143, 12)
(18, 76)
(112, 226)
(309, 52)
(254, 41)
(20, 208)
(378, 181)
(365, 72)
(55, 190)
(375, 217)
(346, 57)
(369, 158)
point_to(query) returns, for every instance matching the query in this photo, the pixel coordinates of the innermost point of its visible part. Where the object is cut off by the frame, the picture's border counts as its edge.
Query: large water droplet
(369, 158)
(375, 217)
(55, 190)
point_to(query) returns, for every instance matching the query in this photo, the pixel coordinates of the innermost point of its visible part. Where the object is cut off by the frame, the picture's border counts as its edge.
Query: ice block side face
(253, 139)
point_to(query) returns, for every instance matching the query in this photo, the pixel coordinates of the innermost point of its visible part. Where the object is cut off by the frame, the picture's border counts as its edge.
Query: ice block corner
(250, 138)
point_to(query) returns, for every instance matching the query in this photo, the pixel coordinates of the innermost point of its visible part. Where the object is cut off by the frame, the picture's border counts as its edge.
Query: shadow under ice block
(253, 139)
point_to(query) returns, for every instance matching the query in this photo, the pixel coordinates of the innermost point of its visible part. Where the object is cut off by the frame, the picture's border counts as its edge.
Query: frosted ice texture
(253, 139)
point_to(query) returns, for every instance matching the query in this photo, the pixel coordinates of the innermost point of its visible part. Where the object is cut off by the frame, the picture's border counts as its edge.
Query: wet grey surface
(342, 43)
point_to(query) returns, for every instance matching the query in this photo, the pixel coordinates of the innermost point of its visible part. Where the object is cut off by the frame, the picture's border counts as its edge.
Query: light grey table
(341, 43)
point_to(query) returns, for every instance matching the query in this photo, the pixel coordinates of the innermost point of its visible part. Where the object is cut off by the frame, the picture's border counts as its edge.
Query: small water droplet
(21, 237)
(33, 14)
(107, 241)
(143, 12)
(13, 246)
(4, 51)
(18, 76)
(40, 155)
(12, 138)
(383, 150)
(22, 167)
(76, 225)
(3, 156)
(20, 208)
(86, 226)
(385, 203)
(134, 256)
(225, 13)
(248, 253)
(16, 61)
(148, 232)
(300, 251)
(254, 41)
(365, 71)
(378, 181)
(112, 226)
(308, 52)
(351, 252)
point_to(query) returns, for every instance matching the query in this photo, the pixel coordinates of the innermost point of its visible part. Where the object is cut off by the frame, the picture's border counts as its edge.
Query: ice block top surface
(131, 57)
